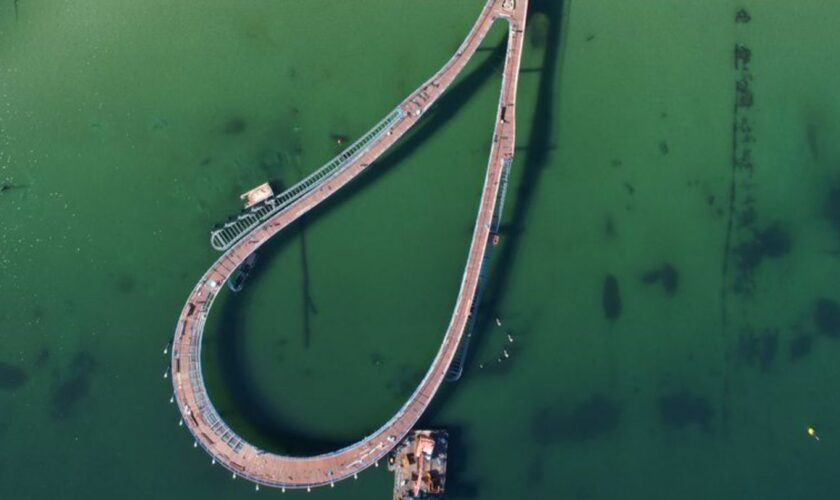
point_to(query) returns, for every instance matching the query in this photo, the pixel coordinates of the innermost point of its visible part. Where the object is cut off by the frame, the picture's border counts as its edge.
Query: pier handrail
(224, 237)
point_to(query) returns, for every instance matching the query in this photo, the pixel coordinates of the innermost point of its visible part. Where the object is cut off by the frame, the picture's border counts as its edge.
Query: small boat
(242, 274)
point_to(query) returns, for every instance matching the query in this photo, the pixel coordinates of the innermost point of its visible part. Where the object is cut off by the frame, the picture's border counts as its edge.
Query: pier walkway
(245, 233)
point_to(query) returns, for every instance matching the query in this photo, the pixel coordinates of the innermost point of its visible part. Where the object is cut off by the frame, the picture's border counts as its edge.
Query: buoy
(172, 399)
(195, 444)
(166, 374)
(213, 462)
(813, 433)
(180, 422)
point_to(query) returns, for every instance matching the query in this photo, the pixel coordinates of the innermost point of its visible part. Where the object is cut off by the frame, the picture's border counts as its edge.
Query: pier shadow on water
(270, 430)
(536, 154)
(273, 431)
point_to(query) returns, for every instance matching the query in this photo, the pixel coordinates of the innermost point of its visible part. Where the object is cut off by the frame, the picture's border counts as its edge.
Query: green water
(128, 128)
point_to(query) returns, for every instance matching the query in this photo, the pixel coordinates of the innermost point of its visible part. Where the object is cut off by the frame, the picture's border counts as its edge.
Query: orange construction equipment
(424, 446)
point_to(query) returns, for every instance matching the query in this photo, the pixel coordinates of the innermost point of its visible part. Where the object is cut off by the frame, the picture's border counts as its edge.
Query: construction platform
(419, 465)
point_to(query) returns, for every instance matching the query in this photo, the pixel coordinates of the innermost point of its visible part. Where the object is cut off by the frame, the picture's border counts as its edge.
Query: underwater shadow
(273, 432)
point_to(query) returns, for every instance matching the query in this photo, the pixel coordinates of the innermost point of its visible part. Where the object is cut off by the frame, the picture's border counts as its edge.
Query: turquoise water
(128, 129)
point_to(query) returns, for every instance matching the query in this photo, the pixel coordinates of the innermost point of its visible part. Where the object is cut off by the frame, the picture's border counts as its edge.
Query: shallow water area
(655, 154)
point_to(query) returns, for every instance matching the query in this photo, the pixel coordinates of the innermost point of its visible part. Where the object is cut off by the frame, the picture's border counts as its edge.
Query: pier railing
(228, 233)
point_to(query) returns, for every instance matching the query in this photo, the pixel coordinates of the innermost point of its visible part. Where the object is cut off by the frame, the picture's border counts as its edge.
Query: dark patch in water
(74, 386)
(593, 418)
(459, 484)
(234, 126)
(742, 16)
(376, 359)
(536, 473)
(126, 284)
(7, 186)
(43, 357)
(670, 279)
(609, 227)
(651, 277)
(663, 148)
(12, 377)
(800, 346)
(758, 348)
(771, 243)
(611, 298)
(811, 138)
(832, 210)
(827, 317)
(667, 275)
(38, 313)
(684, 408)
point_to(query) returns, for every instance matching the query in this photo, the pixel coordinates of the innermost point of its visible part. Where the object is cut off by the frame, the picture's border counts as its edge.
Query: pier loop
(244, 234)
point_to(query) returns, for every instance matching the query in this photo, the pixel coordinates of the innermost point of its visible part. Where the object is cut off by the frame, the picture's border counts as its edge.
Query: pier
(243, 234)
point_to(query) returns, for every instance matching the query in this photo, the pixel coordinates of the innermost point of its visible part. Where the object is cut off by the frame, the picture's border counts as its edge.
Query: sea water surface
(665, 281)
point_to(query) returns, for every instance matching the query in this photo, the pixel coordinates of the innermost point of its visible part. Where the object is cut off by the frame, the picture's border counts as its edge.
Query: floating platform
(419, 465)
(257, 195)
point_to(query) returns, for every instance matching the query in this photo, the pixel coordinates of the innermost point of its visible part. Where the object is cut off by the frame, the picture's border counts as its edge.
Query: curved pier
(210, 431)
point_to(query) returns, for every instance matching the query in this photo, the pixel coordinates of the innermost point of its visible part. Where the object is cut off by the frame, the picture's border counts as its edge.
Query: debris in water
(742, 16)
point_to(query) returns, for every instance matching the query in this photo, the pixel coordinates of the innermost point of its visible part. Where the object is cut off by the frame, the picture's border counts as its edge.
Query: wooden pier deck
(200, 417)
